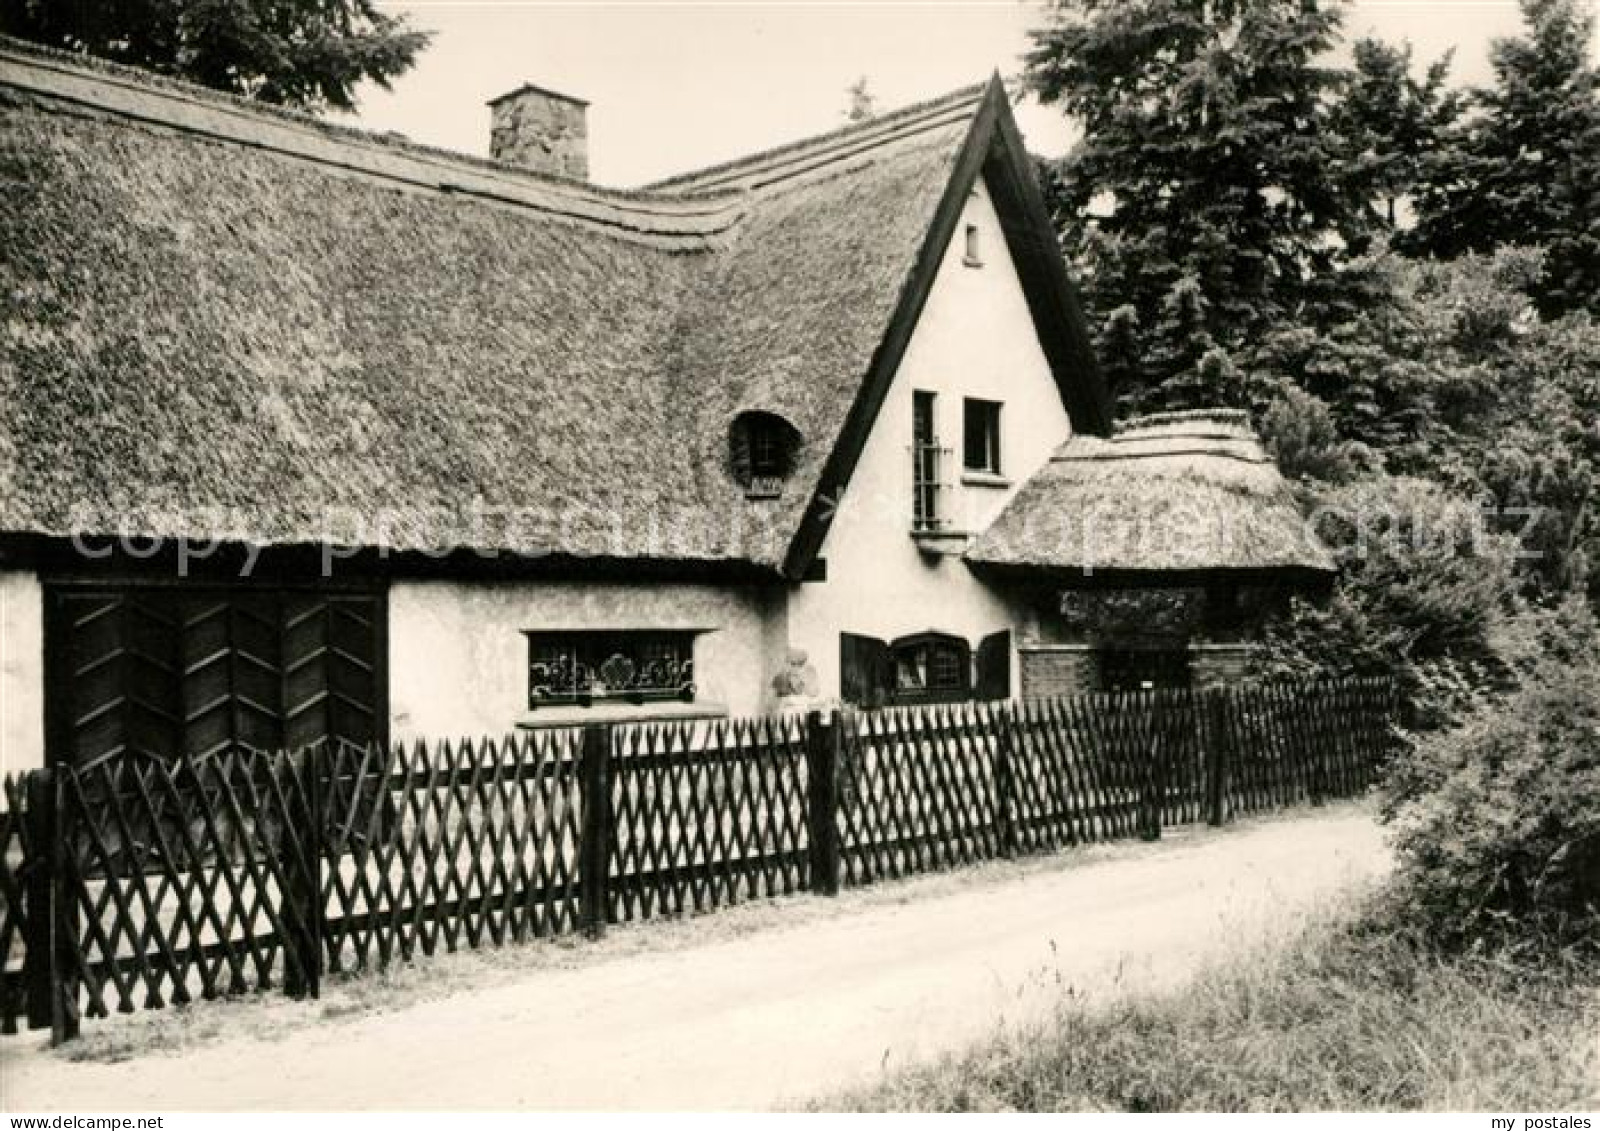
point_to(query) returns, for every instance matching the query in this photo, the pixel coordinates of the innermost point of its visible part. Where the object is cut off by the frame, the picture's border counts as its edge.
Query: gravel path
(764, 1019)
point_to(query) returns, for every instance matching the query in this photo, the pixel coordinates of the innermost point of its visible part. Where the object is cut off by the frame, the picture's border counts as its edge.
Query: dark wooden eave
(993, 149)
(97, 556)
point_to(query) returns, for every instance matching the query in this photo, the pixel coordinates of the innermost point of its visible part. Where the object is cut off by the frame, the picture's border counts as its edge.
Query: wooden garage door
(156, 671)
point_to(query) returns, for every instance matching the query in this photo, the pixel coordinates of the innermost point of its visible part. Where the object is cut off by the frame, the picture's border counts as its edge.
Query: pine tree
(1208, 197)
(1393, 124)
(304, 53)
(1525, 167)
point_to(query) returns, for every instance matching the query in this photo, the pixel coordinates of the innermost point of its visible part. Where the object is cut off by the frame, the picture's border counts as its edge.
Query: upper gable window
(981, 440)
(762, 448)
(972, 256)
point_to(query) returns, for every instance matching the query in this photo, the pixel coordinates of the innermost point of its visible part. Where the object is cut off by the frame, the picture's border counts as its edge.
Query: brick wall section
(1054, 670)
(1051, 670)
(542, 131)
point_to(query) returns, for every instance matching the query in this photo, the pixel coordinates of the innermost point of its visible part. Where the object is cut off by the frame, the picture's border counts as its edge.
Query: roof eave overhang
(100, 555)
(1307, 577)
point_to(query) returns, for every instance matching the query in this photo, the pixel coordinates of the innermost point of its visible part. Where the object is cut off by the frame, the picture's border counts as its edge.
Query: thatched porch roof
(1169, 497)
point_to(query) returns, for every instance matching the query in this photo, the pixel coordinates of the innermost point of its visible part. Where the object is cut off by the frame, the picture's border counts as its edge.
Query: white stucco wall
(458, 659)
(21, 671)
(975, 339)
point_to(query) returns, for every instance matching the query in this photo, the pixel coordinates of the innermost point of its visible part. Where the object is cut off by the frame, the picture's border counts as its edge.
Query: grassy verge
(1332, 1019)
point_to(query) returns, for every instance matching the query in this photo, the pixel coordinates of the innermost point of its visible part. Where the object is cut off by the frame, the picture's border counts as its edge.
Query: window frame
(972, 246)
(590, 650)
(926, 454)
(767, 457)
(929, 693)
(991, 451)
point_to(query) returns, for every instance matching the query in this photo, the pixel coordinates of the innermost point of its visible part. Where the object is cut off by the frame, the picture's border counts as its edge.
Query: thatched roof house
(317, 435)
(1174, 497)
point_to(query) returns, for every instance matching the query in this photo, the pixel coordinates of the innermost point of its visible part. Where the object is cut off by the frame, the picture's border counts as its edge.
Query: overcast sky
(675, 85)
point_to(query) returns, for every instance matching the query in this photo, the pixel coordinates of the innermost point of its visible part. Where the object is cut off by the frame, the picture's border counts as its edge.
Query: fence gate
(174, 882)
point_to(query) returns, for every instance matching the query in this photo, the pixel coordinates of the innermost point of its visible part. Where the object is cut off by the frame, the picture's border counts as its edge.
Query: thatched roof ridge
(770, 165)
(1193, 419)
(227, 321)
(1174, 493)
(97, 86)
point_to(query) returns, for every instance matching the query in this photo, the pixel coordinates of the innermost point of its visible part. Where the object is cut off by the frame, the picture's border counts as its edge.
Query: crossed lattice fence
(133, 883)
(706, 816)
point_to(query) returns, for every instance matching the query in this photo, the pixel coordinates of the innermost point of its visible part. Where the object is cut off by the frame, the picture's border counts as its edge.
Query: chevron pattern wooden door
(158, 671)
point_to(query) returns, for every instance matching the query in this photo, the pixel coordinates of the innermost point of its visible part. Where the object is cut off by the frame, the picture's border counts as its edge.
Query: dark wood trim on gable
(993, 148)
(1052, 296)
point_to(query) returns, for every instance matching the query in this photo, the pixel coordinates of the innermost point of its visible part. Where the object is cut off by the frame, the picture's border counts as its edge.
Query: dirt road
(756, 1021)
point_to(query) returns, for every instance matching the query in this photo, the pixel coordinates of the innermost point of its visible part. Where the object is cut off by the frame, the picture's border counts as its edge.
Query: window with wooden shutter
(926, 667)
(994, 666)
(864, 670)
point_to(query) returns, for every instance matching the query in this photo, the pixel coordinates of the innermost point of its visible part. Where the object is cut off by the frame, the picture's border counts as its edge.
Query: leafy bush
(1423, 596)
(1498, 823)
(1300, 432)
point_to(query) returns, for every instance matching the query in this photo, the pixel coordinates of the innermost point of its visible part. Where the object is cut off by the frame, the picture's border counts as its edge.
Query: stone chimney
(540, 130)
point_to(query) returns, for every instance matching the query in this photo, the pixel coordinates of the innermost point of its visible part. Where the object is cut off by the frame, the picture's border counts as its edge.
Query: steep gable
(992, 149)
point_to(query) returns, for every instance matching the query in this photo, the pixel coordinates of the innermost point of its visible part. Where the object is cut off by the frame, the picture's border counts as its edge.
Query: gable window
(973, 251)
(580, 668)
(981, 427)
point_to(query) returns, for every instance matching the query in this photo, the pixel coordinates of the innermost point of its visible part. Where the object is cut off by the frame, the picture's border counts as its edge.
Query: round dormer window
(762, 448)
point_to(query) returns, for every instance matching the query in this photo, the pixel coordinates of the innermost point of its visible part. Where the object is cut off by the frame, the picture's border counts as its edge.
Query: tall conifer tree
(1524, 169)
(1209, 197)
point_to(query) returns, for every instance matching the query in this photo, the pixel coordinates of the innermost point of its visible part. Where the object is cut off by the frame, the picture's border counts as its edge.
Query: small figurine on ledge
(797, 688)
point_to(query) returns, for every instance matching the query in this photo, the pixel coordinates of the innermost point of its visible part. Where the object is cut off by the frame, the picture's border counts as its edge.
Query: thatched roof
(229, 321)
(1172, 494)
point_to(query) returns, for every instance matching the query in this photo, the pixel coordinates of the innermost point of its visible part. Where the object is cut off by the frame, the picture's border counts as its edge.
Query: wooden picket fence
(132, 885)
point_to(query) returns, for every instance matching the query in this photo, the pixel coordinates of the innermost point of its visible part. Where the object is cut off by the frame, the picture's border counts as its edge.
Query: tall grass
(1339, 1018)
